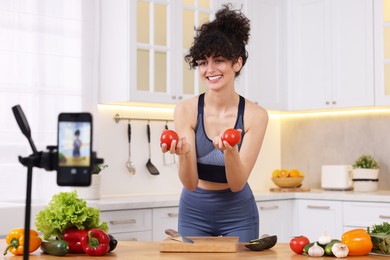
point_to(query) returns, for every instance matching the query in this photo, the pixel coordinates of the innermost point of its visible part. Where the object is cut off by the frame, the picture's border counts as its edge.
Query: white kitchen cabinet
(164, 218)
(276, 219)
(316, 216)
(382, 52)
(145, 63)
(364, 214)
(263, 75)
(129, 224)
(330, 46)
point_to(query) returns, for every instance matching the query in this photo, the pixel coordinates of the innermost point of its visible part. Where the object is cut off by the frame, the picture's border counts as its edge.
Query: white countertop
(140, 201)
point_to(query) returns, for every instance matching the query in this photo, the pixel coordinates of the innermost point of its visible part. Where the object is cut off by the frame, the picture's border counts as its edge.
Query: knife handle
(171, 232)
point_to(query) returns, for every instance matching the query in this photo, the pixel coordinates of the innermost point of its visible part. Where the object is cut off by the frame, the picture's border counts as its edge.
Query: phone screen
(74, 149)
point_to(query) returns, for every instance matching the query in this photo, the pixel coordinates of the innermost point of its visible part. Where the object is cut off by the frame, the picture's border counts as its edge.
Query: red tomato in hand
(232, 136)
(298, 243)
(167, 136)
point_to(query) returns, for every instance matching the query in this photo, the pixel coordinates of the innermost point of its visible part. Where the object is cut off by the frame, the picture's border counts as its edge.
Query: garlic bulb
(340, 250)
(316, 250)
(324, 239)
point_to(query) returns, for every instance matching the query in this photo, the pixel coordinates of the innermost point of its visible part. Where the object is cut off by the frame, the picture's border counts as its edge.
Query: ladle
(129, 164)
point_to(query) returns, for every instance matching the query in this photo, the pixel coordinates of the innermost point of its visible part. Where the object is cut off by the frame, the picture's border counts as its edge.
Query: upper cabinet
(143, 43)
(303, 54)
(263, 75)
(382, 51)
(330, 61)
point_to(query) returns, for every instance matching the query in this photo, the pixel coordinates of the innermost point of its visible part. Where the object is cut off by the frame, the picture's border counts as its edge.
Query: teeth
(214, 77)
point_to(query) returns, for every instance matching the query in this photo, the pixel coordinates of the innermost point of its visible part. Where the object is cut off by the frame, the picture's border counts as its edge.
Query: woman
(216, 198)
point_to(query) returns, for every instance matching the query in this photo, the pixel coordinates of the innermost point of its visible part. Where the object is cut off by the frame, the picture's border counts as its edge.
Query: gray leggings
(219, 213)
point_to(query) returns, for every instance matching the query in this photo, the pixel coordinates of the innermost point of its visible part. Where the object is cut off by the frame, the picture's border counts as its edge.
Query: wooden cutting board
(201, 244)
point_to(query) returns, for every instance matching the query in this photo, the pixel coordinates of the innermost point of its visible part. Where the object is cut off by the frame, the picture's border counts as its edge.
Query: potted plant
(365, 173)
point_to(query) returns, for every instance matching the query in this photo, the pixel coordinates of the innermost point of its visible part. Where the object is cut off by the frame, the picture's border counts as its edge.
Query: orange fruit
(294, 173)
(275, 173)
(283, 173)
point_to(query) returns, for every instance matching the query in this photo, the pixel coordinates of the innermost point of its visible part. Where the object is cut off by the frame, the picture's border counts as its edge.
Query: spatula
(149, 165)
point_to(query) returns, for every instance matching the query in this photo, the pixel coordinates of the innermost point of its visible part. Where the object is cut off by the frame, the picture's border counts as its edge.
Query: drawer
(121, 221)
(133, 236)
(364, 214)
(164, 218)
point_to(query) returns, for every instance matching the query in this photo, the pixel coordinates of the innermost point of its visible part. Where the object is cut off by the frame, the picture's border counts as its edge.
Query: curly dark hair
(225, 36)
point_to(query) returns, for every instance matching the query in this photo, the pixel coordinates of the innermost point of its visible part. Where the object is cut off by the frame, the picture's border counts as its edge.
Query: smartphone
(74, 144)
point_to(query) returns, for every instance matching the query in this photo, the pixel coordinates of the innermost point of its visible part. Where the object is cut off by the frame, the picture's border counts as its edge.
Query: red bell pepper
(73, 236)
(96, 242)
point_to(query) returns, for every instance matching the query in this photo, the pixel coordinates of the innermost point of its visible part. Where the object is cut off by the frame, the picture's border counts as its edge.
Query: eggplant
(113, 242)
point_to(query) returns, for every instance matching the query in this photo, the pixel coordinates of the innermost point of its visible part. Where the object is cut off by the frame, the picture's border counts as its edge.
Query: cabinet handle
(327, 103)
(384, 216)
(334, 102)
(121, 222)
(133, 239)
(269, 207)
(173, 215)
(317, 207)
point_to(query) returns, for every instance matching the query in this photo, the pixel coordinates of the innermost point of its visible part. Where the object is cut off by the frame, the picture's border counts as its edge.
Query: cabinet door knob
(318, 207)
(122, 222)
(327, 103)
(334, 102)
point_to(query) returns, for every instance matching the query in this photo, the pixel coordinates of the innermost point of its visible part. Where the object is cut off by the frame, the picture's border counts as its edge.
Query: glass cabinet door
(164, 33)
(382, 51)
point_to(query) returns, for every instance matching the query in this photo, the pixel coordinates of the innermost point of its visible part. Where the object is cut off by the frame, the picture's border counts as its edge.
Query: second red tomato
(232, 136)
(298, 243)
(167, 136)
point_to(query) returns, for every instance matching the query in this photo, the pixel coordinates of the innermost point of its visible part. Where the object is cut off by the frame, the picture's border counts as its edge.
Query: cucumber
(55, 247)
(306, 248)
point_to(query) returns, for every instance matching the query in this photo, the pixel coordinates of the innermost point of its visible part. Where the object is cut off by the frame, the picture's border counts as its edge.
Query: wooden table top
(150, 250)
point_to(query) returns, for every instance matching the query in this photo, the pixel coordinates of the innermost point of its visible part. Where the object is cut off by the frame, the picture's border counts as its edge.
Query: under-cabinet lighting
(318, 113)
(165, 111)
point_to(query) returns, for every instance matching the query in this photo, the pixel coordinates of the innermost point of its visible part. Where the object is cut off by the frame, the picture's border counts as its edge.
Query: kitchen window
(47, 65)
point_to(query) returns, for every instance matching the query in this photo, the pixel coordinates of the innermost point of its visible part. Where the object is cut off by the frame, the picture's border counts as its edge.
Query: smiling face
(218, 71)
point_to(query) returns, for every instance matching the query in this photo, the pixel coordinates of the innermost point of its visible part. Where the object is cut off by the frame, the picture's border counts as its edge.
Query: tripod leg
(27, 214)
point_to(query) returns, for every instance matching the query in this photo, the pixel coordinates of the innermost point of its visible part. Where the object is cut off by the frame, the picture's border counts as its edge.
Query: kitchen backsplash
(311, 141)
(305, 142)
(113, 147)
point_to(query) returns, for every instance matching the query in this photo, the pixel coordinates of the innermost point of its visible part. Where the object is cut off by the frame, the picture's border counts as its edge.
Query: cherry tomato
(298, 243)
(232, 136)
(167, 136)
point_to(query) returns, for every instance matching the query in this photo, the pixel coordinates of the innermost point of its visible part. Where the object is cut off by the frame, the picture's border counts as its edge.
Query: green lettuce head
(67, 210)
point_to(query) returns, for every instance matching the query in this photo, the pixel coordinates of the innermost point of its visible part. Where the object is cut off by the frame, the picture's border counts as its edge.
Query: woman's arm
(239, 164)
(185, 120)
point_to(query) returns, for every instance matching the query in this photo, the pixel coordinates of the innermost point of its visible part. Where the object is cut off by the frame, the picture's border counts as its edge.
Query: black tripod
(46, 160)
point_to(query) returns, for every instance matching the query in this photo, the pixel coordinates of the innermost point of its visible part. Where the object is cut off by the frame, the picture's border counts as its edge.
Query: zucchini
(55, 247)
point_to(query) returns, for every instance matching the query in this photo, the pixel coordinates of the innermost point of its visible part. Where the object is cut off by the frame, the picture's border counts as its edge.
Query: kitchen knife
(176, 236)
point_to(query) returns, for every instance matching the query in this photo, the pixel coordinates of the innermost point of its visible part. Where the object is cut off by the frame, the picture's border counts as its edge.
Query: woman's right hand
(179, 148)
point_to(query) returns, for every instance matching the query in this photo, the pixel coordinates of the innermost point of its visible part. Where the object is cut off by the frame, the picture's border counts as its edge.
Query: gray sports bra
(210, 161)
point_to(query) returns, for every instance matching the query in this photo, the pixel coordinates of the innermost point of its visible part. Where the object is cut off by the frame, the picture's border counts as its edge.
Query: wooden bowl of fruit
(287, 179)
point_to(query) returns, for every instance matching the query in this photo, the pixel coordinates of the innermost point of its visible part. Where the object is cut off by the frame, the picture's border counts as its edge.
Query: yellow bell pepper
(358, 242)
(15, 241)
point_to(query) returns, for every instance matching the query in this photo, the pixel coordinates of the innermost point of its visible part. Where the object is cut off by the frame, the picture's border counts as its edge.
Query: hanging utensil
(151, 168)
(129, 164)
(164, 156)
